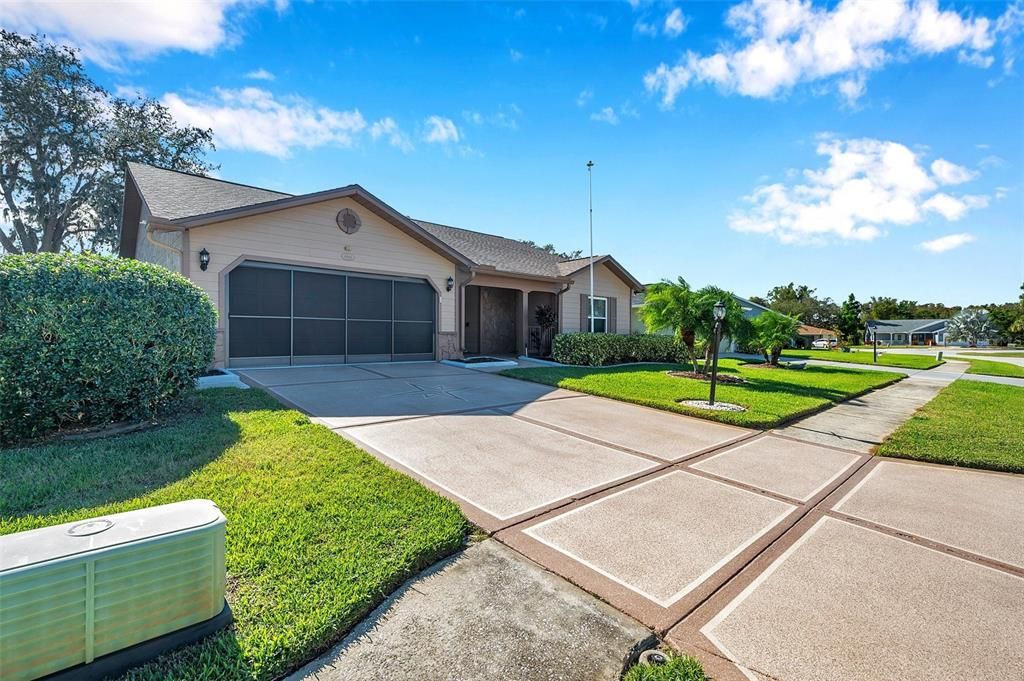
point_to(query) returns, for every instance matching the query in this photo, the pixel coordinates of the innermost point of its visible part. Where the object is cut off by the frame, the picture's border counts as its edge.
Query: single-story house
(807, 334)
(906, 331)
(750, 311)
(340, 276)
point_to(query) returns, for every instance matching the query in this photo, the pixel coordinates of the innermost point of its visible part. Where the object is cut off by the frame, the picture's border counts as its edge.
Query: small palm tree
(773, 332)
(971, 325)
(669, 305)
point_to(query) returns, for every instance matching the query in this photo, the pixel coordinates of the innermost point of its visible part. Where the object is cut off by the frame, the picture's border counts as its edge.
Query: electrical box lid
(47, 544)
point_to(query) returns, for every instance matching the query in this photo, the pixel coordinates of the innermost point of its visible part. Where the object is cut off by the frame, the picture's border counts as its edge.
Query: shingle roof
(501, 253)
(906, 325)
(172, 195)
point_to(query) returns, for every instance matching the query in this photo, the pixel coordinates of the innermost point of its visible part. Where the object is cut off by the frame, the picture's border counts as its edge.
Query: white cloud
(260, 74)
(945, 205)
(867, 185)
(675, 23)
(129, 91)
(515, 55)
(388, 128)
(642, 27)
(252, 119)
(506, 117)
(584, 97)
(130, 28)
(780, 44)
(950, 173)
(606, 115)
(440, 130)
(947, 243)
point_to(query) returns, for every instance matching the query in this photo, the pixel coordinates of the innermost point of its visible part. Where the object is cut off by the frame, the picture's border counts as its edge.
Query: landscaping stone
(486, 614)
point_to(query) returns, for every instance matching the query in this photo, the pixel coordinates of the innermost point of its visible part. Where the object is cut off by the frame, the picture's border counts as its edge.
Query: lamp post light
(874, 343)
(719, 313)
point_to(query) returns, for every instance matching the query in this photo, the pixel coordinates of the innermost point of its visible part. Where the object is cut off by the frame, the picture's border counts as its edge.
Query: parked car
(824, 344)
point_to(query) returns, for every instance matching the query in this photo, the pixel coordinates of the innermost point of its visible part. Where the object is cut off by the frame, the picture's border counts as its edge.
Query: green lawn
(969, 423)
(771, 396)
(865, 357)
(319, 532)
(988, 368)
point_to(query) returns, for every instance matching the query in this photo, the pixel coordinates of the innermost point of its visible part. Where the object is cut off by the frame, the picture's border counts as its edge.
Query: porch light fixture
(204, 259)
(449, 284)
(719, 314)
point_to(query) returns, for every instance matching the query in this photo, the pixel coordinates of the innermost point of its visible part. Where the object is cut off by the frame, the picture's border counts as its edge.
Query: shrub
(599, 349)
(87, 340)
(678, 668)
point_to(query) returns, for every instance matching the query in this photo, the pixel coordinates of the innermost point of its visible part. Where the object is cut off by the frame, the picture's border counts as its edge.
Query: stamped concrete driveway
(771, 557)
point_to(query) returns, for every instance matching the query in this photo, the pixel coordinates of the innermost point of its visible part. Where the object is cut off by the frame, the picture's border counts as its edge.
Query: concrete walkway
(863, 423)
(488, 613)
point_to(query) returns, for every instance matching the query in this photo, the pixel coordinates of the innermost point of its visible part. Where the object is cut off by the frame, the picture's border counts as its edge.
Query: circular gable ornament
(348, 221)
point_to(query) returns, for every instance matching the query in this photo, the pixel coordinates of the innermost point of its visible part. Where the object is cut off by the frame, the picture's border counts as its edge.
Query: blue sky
(874, 148)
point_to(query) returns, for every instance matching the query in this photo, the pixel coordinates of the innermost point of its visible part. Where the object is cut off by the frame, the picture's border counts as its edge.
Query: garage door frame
(345, 273)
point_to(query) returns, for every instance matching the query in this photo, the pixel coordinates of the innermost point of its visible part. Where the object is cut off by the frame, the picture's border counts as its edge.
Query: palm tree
(668, 305)
(772, 333)
(971, 325)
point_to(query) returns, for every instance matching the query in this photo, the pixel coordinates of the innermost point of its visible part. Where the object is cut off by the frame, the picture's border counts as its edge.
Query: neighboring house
(807, 334)
(906, 331)
(340, 276)
(750, 311)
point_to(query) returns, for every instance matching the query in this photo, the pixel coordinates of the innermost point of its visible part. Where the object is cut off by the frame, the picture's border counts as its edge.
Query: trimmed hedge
(87, 340)
(599, 349)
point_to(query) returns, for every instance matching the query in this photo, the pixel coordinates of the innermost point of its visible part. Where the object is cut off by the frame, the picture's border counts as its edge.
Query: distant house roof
(184, 200)
(907, 325)
(808, 330)
(748, 306)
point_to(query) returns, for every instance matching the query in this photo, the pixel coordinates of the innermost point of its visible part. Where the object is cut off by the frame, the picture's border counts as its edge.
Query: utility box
(90, 590)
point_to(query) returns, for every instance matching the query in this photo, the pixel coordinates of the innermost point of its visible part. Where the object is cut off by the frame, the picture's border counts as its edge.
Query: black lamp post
(719, 312)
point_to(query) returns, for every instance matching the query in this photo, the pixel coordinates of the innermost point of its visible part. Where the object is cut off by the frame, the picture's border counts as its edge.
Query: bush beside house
(600, 349)
(88, 340)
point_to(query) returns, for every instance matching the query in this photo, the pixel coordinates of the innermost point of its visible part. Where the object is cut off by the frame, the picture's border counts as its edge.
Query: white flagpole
(590, 200)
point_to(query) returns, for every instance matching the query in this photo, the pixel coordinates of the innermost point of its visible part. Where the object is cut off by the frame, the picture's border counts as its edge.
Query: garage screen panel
(281, 316)
(414, 320)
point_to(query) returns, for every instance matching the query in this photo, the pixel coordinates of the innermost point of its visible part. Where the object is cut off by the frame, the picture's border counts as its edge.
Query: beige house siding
(148, 252)
(606, 285)
(309, 235)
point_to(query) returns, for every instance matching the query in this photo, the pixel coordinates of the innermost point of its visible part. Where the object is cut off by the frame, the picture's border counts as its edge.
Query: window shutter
(610, 325)
(584, 312)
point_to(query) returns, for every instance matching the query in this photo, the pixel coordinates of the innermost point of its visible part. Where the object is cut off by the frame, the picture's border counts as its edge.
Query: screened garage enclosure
(280, 316)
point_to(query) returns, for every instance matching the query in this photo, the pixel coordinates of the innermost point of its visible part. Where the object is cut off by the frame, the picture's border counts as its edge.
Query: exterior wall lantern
(719, 314)
(449, 284)
(204, 259)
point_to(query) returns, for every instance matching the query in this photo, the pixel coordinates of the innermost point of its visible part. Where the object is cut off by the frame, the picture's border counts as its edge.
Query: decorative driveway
(769, 556)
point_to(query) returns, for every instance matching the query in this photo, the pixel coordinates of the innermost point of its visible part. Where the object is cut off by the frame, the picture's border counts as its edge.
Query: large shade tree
(850, 326)
(64, 144)
(799, 300)
(970, 326)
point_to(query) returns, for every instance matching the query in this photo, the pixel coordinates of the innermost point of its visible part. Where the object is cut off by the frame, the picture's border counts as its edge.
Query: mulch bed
(722, 378)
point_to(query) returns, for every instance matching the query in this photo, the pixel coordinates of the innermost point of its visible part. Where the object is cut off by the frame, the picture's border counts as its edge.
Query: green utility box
(83, 591)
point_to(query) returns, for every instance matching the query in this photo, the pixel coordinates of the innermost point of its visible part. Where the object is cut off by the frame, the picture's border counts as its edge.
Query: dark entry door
(292, 316)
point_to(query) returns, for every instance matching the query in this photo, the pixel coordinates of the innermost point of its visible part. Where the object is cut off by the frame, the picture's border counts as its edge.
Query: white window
(600, 312)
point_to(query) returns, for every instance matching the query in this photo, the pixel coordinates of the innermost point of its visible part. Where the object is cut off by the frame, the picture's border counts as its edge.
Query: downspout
(150, 228)
(558, 297)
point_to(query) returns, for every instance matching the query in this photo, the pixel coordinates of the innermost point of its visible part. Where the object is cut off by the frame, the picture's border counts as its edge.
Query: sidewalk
(862, 423)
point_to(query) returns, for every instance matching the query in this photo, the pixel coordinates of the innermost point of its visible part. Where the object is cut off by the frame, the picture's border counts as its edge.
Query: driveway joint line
(456, 412)
(928, 543)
